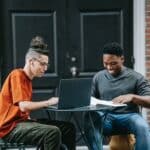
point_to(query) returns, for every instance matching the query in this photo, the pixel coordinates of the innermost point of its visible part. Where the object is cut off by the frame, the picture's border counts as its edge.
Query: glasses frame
(43, 64)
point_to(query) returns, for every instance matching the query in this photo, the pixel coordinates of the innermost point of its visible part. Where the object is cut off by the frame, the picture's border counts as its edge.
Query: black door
(90, 25)
(75, 30)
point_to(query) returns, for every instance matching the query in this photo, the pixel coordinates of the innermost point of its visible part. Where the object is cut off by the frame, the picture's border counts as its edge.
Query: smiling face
(113, 63)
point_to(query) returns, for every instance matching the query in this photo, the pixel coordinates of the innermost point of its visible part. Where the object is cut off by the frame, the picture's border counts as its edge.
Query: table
(72, 111)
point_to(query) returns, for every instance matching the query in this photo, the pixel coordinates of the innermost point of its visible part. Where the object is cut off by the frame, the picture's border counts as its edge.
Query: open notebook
(99, 102)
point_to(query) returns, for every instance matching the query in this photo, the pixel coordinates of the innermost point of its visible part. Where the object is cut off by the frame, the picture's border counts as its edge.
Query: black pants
(47, 134)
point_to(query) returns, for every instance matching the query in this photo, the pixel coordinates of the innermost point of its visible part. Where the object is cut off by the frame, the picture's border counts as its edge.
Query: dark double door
(75, 31)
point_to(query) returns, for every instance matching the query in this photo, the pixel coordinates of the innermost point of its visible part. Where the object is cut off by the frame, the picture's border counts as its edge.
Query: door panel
(91, 24)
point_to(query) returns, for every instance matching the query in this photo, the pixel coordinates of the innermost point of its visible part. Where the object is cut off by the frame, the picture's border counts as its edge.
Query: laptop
(74, 93)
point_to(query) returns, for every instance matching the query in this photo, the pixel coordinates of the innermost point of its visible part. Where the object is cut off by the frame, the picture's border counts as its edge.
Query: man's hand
(123, 99)
(53, 101)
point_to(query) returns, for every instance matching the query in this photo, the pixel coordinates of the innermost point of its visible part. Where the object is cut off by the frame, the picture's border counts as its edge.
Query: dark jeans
(46, 134)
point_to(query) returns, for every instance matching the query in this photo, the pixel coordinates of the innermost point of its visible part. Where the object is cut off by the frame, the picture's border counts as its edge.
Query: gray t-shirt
(105, 86)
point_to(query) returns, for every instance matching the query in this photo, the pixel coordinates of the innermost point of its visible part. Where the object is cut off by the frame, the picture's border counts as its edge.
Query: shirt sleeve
(20, 89)
(143, 86)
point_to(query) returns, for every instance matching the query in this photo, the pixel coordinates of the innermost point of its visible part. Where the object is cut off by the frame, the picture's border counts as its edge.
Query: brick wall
(147, 44)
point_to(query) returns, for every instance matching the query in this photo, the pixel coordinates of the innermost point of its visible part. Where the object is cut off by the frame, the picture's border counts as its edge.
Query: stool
(123, 142)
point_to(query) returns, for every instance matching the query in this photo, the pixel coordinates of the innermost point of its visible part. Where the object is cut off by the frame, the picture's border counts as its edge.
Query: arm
(141, 94)
(141, 100)
(136, 99)
(26, 106)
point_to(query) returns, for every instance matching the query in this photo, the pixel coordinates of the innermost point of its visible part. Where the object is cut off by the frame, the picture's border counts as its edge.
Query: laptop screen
(74, 92)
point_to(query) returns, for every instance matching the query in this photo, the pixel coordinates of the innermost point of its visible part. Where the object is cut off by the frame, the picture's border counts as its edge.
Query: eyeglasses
(43, 64)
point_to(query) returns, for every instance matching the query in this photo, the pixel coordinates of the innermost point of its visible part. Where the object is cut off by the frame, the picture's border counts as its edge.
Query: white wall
(139, 39)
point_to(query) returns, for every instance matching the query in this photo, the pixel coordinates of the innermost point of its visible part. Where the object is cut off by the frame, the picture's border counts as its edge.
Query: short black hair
(38, 45)
(113, 48)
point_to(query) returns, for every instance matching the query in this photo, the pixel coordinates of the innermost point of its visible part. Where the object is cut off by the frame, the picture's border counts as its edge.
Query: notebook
(74, 93)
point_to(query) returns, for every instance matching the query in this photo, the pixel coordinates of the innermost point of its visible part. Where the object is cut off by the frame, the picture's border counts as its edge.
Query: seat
(123, 142)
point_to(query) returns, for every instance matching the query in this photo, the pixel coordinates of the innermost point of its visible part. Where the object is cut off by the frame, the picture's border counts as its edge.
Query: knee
(56, 131)
(141, 128)
(53, 132)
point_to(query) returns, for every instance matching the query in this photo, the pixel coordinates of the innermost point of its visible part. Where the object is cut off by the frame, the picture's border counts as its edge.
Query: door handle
(74, 71)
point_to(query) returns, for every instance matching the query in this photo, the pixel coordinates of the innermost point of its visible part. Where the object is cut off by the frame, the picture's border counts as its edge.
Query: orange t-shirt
(16, 88)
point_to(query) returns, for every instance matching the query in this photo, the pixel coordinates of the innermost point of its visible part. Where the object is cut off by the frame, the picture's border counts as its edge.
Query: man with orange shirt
(16, 105)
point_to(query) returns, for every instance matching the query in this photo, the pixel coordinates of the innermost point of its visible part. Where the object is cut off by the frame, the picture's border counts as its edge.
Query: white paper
(95, 101)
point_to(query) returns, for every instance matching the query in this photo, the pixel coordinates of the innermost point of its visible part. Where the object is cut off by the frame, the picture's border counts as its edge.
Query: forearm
(30, 106)
(141, 100)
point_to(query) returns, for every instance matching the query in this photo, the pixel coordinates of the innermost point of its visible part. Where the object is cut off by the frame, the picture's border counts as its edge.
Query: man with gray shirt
(122, 85)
